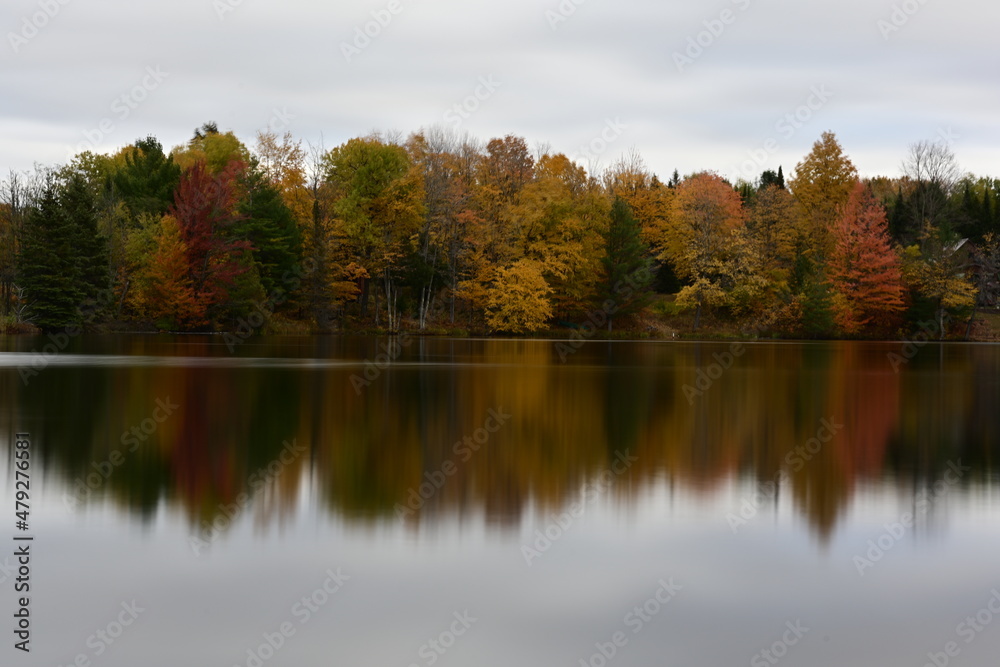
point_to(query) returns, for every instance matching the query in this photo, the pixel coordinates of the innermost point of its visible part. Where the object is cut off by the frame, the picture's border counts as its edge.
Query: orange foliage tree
(865, 272)
(166, 294)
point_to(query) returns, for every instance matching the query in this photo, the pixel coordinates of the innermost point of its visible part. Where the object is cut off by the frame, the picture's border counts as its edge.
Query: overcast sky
(688, 85)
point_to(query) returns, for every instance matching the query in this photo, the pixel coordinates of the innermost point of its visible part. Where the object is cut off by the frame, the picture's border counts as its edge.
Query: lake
(358, 501)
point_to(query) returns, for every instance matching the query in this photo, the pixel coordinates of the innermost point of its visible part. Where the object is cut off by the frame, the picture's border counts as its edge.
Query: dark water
(496, 503)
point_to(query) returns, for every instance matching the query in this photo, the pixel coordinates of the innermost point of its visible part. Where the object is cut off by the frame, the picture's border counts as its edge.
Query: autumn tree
(283, 163)
(774, 224)
(517, 300)
(502, 173)
(331, 274)
(648, 199)
(822, 184)
(865, 272)
(441, 254)
(705, 213)
(650, 202)
(380, 205)
(205, 211)
(938, 269)
(505, 170)
(217, 150)
(165, 292)
(558, 222)
(774, 242)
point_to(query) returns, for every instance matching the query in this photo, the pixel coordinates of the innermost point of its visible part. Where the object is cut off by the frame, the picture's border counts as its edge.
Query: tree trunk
(365, 285)
(972, 318)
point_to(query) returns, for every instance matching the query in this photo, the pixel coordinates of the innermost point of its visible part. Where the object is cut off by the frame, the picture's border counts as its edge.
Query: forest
(441, 233)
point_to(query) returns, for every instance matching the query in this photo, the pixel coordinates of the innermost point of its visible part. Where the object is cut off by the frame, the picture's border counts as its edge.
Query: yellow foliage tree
(822, 184)
(216, 149)
(283, 162)
(518, 299)
(699, 236)
(938, 272)
(559, 219)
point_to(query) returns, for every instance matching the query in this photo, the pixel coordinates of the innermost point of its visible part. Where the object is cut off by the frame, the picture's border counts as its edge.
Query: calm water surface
(496, 503)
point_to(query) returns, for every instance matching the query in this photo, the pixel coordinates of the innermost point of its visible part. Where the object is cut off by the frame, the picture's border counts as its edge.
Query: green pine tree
(49, 266)
(147, 181)
(626, 265)
(90, 248)
(269, 226)
(769, 177)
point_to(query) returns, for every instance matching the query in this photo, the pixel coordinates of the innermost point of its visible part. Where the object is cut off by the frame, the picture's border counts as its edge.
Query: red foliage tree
(865, 272)
(205, 209)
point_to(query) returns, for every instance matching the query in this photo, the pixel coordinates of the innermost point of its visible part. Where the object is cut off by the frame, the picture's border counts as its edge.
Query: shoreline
(554, 336)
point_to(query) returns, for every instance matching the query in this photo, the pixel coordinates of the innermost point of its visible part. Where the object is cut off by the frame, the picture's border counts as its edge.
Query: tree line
(440, 231)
